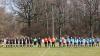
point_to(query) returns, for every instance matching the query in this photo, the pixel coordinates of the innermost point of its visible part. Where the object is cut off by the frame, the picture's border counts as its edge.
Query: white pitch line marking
(45, 52)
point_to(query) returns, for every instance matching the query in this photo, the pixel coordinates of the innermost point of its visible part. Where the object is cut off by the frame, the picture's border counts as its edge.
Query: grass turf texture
(92, 51)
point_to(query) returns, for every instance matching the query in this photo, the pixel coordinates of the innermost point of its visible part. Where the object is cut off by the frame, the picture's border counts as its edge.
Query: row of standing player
(71, 41)
(74, 41)
(50, 42)
(16, 42)
(28, 42)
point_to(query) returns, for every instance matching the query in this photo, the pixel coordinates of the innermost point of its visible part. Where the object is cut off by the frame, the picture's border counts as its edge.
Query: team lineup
(50, 42)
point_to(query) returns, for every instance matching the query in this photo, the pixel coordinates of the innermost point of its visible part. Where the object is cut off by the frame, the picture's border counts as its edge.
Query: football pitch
(91, 51)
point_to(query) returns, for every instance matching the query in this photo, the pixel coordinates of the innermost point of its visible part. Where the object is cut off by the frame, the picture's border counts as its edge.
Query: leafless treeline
(37, 17)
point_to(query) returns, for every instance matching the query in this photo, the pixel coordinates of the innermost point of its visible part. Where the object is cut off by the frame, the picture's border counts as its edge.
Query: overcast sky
(7, 5)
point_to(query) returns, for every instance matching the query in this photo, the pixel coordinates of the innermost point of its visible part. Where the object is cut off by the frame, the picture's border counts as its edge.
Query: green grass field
(92, 51)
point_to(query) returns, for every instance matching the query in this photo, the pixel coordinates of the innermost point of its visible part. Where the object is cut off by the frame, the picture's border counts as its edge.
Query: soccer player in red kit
(49, 41)
(53, 41)
(45, 41)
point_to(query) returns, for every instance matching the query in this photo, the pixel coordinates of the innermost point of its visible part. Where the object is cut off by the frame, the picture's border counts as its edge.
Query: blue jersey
(84, 40)
(93, 40)
(80, 40)
(87, 41)
(90, 40)
(72, 40)
(68, 40)
(97, 39)
(60, 40)
(77, 40)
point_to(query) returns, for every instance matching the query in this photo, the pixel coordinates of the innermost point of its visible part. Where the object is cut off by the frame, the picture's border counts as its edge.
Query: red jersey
(45, 40)
(53, 39)
(49, 39)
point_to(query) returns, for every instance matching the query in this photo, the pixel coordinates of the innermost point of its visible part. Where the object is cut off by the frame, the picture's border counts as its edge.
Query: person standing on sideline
(93, 40)
(64, 44)
(87, 40)
(53, 41)
(49, 41)
(45, 41)
(17, 42)
(24, 42)
(68, 41)
(84, 41)
(39, 42)
(27, 40)
(97, 40)
(63, 41)
(60, 42)
(4, 42)
(77, 40)
(90, 42)
(30, 40)
(73, 41)
(35, 41)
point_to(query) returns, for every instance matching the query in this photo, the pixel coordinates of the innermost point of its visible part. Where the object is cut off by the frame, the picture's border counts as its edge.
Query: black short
(7, 42)
(34, 43)
(53, 42)
(24, 43)
(78, 43)
(81, 42)
(20, 42)
(75, 43)
(92, 42)
(60, 43)
(39, 43)
(31, 42)
(67, 42)
(85, 43)
(16, 42)
(89, 42)
(49, 42)
(11, 42)
(97, 42)
(71, 42)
